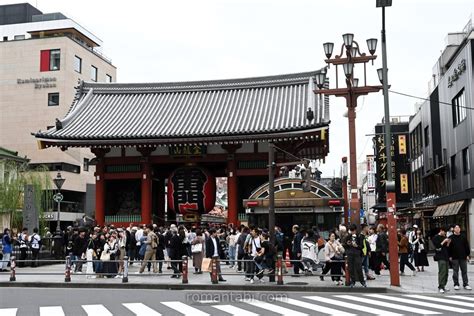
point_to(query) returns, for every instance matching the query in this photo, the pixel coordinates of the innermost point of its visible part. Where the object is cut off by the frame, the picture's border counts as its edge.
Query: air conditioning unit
(395, 119)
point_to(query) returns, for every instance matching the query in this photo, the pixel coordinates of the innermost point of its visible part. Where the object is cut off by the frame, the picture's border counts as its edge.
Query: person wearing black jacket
(441, 244)
(296, 249)
(241, 254)
(176, 251)
(213, 249)
(353, 245)
(79, 250)
(381, 249)
(160, 255)
(459, 252)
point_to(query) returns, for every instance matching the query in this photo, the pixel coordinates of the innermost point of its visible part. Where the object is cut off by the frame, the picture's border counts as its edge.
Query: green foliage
(12, 184)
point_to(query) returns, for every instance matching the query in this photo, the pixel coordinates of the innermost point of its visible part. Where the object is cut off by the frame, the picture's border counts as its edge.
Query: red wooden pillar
(232, 193)
(146, 191)
(100, 184)
(100, 193)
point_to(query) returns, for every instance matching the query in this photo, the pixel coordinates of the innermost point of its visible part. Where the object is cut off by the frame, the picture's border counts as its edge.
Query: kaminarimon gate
(182, 135)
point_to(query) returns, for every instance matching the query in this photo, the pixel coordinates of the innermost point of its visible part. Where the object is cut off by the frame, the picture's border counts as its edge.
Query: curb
(207, 287)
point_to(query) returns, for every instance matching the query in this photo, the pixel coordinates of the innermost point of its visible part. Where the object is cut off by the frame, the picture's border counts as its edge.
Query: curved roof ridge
(204, 84)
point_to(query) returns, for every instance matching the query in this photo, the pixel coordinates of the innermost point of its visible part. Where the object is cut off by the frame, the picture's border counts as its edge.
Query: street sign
(58, 197)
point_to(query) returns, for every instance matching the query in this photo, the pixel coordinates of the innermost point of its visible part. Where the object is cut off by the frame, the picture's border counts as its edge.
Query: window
(5, 38)
(427, 136)
(19, 37)
(108, 78)
(78, 64)
(50, 60)
(453, 167)
(85, 165)
(459, 108)
(93, 73)
(53, 99)
(466, 164)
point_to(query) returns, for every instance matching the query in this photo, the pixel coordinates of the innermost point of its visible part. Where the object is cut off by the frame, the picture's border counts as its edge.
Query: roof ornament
(59, 124)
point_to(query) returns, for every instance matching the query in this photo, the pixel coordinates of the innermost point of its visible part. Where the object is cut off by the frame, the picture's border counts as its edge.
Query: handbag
(105, 256)
(196, 248)
(206, 265)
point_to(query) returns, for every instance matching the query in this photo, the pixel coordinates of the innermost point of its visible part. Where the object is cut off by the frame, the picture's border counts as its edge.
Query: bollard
(214, 278)
(125, 270)
(346, 268)
(280, 270)
(185, 270)
(12, 269)
(67, 273)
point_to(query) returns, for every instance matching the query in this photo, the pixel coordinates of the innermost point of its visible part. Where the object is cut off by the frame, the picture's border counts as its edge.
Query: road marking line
(234, 310)
(467, 298)
(184, 309)
(274, 308)
(51, 311)
(441, 300)
(96, 310)
(8, 311)
(352, 306)
(140, 309)
(388, 305)
(420, 303)
(313, 307)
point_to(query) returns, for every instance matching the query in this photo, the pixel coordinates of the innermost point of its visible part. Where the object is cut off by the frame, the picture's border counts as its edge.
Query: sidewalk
(53, 276)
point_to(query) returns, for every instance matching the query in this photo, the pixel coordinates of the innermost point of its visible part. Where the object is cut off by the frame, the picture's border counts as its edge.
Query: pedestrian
(198, 251)
(122, 245)
(160, 250)
(404, 252)
(213, 249)
(232, 243)
(268, 251)
(91, 255)
(419, 246)
(459, 251)
(110, 267)
(353, 248)
(296, 249)
(441, 244)
(35, 244)
(411, 241)
(381, 248)
(6, 250)
(334, 256)
(309, 253)
(280, 244)
(151, 243)
(364, 233)
(132, 250)
(254, 250)
(372, 239)
(177, 250)
(23, 239)
(241, 250)
(79, 250)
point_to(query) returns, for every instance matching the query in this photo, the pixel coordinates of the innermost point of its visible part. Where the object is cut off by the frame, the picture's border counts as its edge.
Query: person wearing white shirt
(35, 242)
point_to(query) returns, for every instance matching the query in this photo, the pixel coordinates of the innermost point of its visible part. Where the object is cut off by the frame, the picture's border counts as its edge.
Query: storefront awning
(449, 209)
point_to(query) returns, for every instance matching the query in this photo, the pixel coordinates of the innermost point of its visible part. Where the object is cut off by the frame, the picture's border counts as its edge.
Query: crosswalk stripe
(51, 311)
(421, 303)
(467, 298)
(352, 306)
(184, 309)
(274, 308)
(96, 310)
(379, 303)
(140, 309)
(442, 300)
(314, 307)
(8, 311)
(234, 310)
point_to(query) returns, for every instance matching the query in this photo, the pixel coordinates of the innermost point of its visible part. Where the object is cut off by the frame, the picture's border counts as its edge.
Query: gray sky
(178, 40)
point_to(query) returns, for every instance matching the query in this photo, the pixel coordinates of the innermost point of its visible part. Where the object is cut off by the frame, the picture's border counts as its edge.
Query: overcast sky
(174, 40)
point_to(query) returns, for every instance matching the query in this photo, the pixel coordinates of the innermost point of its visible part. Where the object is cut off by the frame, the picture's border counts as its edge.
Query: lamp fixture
(372, 45)
(348, 38)
(348, 69)
(328, 48)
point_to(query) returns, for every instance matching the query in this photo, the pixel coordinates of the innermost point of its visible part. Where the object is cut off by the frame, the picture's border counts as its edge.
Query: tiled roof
(222, 109)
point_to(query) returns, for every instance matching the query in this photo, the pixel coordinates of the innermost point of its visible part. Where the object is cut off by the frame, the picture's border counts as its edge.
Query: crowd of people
(247, 250)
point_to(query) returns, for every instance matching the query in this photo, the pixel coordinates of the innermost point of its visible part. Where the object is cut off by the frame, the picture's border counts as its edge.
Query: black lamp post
(58, 181)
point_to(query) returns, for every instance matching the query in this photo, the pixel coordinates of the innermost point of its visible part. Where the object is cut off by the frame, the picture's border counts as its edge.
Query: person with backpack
(7, 250)
(23, 239)
(35, 244)
(150, 251)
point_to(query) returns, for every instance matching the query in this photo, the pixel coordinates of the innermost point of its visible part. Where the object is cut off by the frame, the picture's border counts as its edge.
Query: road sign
(58, 197)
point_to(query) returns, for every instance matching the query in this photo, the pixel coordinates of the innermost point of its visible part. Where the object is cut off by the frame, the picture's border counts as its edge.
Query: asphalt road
(105, 302)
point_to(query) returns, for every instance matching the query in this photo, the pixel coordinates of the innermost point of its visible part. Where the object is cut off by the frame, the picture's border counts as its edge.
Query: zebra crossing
(334, 304)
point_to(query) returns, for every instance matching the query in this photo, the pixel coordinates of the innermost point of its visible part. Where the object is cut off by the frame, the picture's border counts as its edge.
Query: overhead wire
(428, 99)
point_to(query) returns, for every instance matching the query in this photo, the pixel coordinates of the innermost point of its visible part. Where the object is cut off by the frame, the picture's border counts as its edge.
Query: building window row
(459, 108)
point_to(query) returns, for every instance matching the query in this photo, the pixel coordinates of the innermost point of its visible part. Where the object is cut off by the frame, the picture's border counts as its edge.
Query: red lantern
(191, 190)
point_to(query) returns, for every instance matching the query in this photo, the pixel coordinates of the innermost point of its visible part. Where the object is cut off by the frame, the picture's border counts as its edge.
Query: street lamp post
(58, 197)
(351, 92)
(390, 195)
